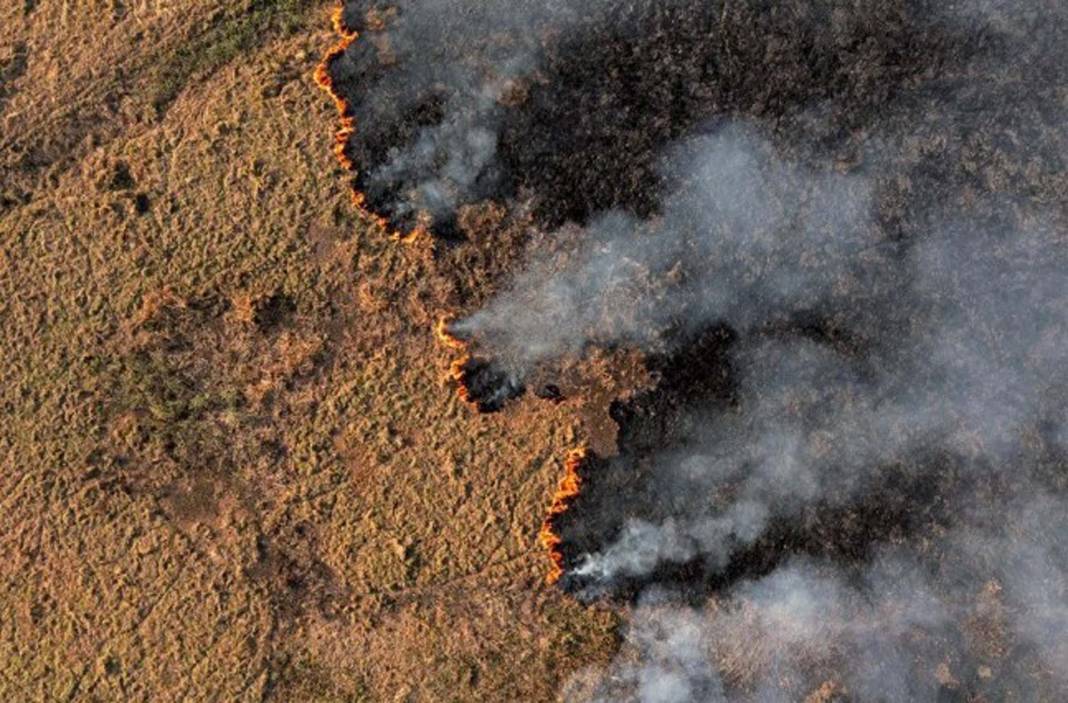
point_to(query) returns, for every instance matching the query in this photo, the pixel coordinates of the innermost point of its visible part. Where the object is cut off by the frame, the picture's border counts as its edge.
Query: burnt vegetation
(582, 133)
(487, 385)
(689, 383)
(582, 129)
(943, 116)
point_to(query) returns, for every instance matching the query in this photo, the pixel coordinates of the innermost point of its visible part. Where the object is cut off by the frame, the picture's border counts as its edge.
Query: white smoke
(899, 296)
(890, 632)
(464, 57)
(970, 357)
(940, 366)
(738, 239)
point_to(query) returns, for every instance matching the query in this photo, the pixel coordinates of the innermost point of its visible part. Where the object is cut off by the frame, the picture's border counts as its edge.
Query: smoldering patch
(485, 384)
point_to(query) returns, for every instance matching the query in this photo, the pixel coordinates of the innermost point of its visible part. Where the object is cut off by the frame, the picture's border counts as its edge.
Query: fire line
(347, 120)
(571, 482)
(458, 366)
(569, 488)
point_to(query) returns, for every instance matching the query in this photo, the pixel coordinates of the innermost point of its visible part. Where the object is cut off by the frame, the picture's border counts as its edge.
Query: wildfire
(569, 487)
(441, 331)
(326, 82)
(458, 373)
(348, 120)
(458, 367)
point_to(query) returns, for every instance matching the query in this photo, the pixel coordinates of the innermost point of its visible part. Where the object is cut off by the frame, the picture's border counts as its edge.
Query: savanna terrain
(233, 466)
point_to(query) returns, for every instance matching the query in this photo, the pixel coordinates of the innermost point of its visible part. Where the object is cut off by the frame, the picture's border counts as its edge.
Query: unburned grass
(229, 35)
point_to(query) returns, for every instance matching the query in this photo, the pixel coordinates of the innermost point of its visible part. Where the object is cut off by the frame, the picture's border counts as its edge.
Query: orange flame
(458, 373)
(441, 331)
(571, 482)
(348, 123)
(326, 82)
(458, 366)
(569, 487)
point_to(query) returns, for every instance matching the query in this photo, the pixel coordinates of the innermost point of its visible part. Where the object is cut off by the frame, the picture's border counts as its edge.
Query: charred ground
(583, 131)
(936, 111)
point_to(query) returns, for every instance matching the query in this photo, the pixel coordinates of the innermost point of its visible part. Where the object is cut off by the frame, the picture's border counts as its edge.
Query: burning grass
(473, 376)
(347, 125)
(569, 488)
(480, 382)
(325, 81)
(700, 497)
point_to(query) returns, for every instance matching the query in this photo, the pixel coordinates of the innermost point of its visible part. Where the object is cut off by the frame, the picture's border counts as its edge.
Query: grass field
(231, 467)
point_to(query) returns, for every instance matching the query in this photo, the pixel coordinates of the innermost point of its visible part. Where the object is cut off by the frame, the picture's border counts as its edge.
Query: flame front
(568, 489)
(326, 82)
(441, 331)
(458, 373)
(458, 366)
(571, 482)
(348, 122)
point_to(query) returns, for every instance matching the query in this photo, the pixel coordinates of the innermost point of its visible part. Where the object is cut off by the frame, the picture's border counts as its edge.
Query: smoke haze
(866, 208)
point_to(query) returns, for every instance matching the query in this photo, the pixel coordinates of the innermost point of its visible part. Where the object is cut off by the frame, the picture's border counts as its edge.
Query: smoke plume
(838, 232)
(429, 87)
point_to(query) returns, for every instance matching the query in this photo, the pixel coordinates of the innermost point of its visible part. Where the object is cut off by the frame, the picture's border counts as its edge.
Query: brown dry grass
(231, 468)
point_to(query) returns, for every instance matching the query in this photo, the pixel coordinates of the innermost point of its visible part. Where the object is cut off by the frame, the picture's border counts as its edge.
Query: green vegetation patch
(229, 34)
